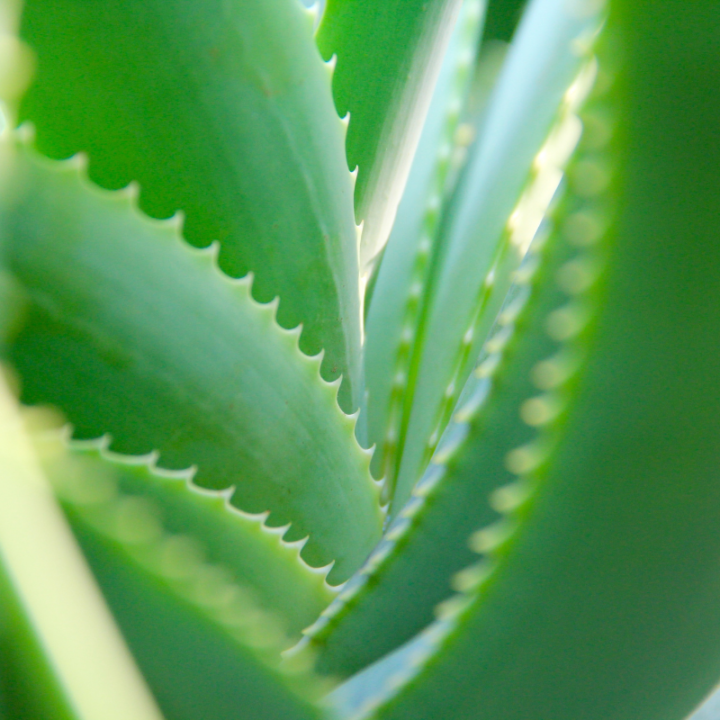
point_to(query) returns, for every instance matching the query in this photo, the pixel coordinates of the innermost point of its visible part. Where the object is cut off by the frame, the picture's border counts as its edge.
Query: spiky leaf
(389, 54)
(598, 593)
(222, 110)
(132, 333)
(496, 210)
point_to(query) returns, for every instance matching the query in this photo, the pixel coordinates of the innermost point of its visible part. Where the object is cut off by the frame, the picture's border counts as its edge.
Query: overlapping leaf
(389, 54)
(596, 596)
(222, 110)
(132, 333)
(62, 654)
(254, 555)
(398, 288)
(201, 639)
(496, 211)
(427, 543)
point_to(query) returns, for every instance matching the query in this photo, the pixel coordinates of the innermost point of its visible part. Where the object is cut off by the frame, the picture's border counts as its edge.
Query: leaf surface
(222, 110)
(401, 279)
(426, 544)
(389, 54)
(63, 656)
(496, 211)
(597, 594)
(202, 643)
(255, 555)
(132, 333)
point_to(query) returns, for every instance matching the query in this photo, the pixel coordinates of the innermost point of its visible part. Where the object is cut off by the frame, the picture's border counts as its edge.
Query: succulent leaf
(597, 594)
(513, 169)
(389, 54)
(188, 623)
(502, 19)
(62, 654)
(426, 544)
(133, 333)
(254, 554)
(222, 110)
(398, 288)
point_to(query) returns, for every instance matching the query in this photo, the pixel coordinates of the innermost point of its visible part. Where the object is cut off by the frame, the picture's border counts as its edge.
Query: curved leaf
(222, 110)
(202, 643)
(598, 593)
(398, 287)
(393, 596)
(132, 333)
(65, 655)
(389, 54)
(255, 555)
(496, 210)
(502, 19)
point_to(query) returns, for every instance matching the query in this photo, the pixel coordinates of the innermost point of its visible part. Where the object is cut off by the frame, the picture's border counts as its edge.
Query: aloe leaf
(426, 544)
(28, 686)
(253, 553)
(398, 287)
(496, 210)
(389, 54)
(201, 641)
(597, 594)
(16, 64)
(185, 361)
(222, 110)
(63, 654)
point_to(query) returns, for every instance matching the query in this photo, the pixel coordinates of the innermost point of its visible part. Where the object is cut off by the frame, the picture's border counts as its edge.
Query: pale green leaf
(389, 54)
(222, 110)
(132, 333)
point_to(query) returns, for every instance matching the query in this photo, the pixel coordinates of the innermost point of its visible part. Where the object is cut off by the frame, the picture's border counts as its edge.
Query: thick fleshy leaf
(28, 687)
(222, 110)
(597, 596)
(62, 654)
(203, 644)
(389, 54)
(496, 210)
(400, 282)
(353, 698)
(254, 554)
(709, 710)
(132, 333)
(426, 545)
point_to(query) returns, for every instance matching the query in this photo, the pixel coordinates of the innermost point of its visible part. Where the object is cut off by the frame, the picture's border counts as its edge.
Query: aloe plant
(436, 438)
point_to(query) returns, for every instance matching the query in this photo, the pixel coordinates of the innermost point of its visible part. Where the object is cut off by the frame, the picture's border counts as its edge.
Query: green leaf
(496, 210)
(426, 545)
(502, 19)
(24, 667)
(709, 708)
(222, 110)
(253, 553)
(598, 593)
(389, 54)
(354, 697)
(63, 656)
(202, 643)
(400, 281)
(185, 361)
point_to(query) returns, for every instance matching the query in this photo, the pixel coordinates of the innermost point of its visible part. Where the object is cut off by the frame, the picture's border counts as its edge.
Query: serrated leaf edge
(99, 447)
(77, 165)
(133, 523)
(551, 377)
(466, 408)
(470, 17)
